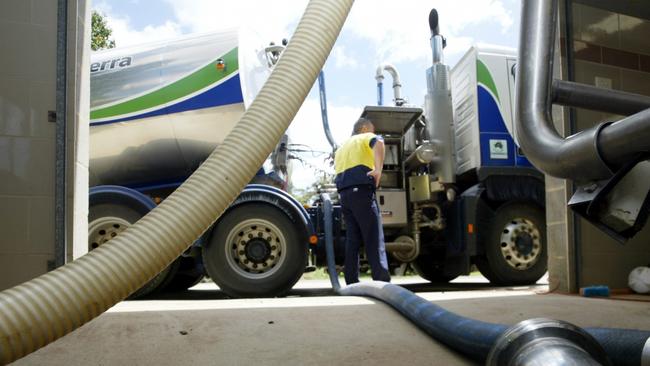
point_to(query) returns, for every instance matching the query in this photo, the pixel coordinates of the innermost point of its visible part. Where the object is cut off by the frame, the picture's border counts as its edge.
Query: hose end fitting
(543, 341)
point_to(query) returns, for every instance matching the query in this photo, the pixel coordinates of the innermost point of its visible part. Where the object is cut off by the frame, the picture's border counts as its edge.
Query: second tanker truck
(456, 190)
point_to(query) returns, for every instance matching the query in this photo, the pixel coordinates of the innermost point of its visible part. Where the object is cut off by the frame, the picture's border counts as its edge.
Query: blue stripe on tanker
(492, 126)
(228, 92)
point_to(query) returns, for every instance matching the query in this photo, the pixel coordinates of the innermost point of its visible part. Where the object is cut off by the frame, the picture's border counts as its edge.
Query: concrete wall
(78, 111)
(28, 39)
(612, 50)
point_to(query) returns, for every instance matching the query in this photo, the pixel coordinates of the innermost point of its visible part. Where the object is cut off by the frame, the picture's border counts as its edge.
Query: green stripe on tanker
(205, 76)
(484, 77)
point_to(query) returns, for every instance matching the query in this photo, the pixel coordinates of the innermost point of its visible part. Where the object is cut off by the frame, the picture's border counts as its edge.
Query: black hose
(623, 346)
(470, 337)
(473, 338)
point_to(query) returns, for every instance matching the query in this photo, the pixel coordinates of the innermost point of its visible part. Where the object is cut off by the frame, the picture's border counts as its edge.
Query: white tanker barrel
(158, 110)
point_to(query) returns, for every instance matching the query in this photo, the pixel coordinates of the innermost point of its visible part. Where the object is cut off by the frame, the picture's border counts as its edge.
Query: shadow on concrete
(306, 291)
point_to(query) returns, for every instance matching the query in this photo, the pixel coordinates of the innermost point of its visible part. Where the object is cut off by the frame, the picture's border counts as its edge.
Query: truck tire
(515, 245)
(189, 274)
(106, 221)
(484, 267)
(425, 267)
(255, 251)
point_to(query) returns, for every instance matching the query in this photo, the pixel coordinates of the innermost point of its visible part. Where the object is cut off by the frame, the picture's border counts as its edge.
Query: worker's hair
(359, 124)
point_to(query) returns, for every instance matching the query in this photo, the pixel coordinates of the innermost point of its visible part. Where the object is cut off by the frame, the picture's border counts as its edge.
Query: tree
(101, 33)
(305, 195)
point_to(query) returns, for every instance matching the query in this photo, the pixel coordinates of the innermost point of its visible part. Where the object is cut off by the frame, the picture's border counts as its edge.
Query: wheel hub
(104, 229)
(524, 243)
(256, 248)
(521, 244)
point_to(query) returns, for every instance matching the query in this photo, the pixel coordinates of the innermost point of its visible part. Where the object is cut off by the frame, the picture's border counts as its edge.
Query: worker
(358, 164)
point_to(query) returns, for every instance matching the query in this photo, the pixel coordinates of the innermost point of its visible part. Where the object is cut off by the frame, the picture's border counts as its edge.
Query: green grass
(321, 274)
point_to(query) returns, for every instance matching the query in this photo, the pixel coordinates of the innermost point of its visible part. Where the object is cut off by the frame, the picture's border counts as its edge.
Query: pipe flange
(599, 153)
(521, 341)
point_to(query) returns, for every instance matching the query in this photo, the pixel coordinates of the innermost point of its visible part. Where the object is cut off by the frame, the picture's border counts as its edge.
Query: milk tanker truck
(456, 190)
(157, 112)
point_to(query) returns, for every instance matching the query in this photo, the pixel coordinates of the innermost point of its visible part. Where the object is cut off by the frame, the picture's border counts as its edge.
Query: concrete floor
(310, 327)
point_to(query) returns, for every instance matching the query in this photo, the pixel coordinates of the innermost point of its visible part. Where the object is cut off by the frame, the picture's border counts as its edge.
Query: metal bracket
(602, 203)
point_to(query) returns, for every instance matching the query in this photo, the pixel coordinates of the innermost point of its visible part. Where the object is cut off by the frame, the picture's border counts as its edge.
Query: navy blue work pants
(363, 225)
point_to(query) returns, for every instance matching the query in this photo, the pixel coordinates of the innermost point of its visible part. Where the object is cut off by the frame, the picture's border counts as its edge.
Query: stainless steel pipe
(579, 95)
(588, 155)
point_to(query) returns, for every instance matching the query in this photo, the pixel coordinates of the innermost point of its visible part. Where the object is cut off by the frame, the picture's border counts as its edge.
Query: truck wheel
(515, 245)
(255, 251)
(189, 274)
(425, 266)
(106, 221)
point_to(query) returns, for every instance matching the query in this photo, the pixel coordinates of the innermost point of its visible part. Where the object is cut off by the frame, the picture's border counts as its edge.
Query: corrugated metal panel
(464, 99)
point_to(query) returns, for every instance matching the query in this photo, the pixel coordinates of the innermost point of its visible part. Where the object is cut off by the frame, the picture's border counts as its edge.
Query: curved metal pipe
(397, 85)
(38, 312)
(587, 155)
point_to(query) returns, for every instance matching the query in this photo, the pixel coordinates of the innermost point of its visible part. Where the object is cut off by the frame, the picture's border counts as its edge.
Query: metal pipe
(397, 85)
(437, 42)
(399, 247)
(580, 156)
(579, 95)
(616, 139)
(423, 155)
(436, 49)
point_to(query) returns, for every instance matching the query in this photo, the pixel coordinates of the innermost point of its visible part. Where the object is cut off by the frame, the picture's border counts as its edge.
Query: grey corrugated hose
(38, 312)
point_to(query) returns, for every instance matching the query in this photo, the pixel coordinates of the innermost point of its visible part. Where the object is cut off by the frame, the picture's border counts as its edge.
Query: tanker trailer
(157, 112)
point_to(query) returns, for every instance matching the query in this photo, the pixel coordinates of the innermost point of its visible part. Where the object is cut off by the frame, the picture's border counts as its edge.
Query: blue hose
(323, 110)
(329, 242)
(472, 338)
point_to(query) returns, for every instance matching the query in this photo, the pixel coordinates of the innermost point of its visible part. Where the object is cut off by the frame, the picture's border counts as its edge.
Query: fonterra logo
(117, 63)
